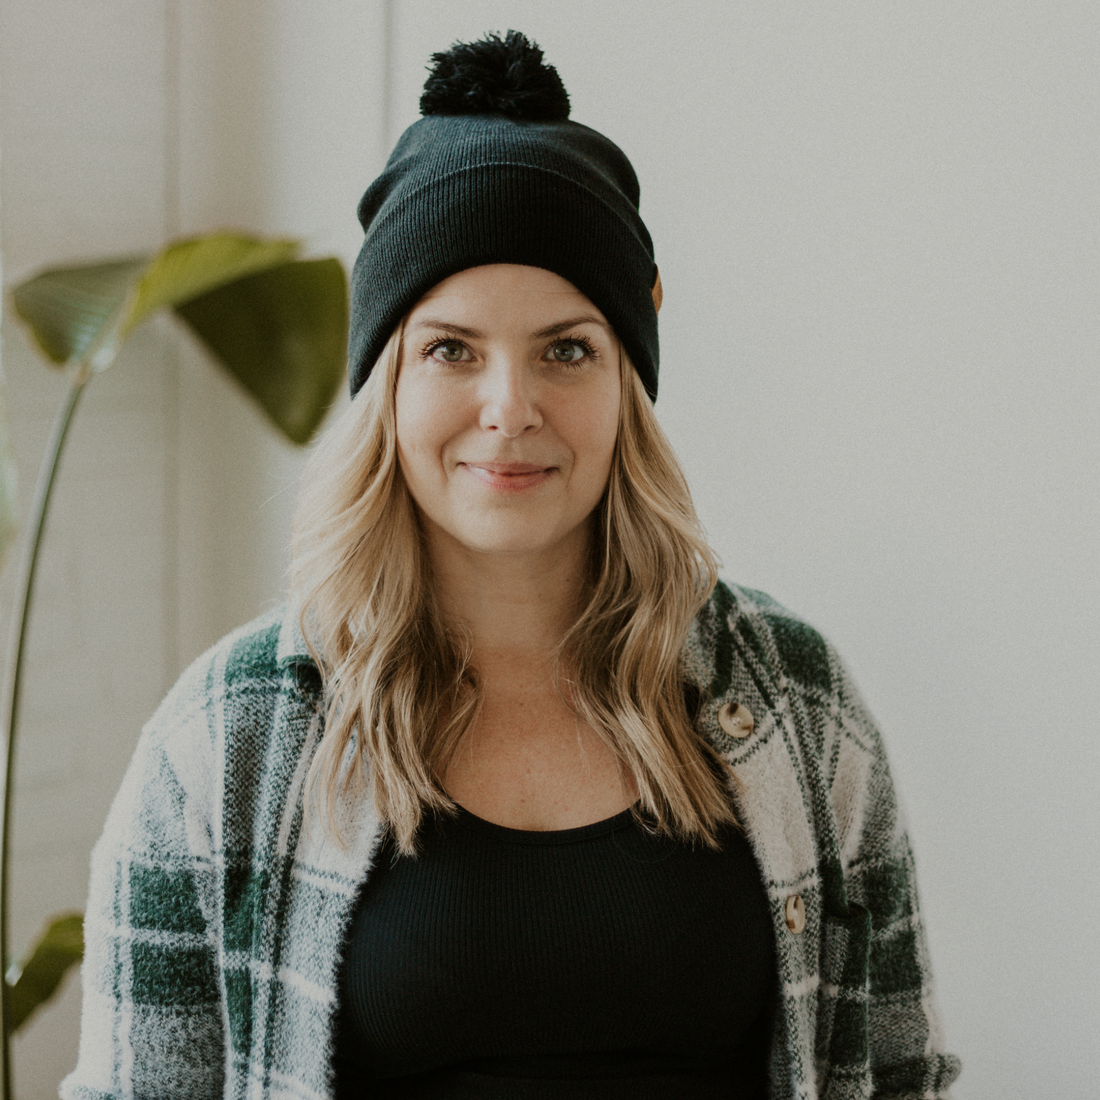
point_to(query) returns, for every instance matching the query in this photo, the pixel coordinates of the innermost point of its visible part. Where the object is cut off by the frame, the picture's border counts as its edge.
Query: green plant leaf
(279, 325)
(9, 490)
(189, 268)
(283, 334)
(70, 310)
(83, 313)
(36, 979)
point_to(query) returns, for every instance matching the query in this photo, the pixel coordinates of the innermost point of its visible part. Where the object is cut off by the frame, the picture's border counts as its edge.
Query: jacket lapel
(728, 658)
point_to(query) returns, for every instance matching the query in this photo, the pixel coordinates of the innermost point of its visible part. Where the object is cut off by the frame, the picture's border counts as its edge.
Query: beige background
(877, 226)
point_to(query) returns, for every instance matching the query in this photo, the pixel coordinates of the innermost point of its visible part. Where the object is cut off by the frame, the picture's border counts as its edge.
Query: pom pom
(495, 76)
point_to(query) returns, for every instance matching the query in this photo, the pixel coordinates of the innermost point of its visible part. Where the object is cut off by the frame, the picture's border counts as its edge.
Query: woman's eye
(450, 351)
(567, 351)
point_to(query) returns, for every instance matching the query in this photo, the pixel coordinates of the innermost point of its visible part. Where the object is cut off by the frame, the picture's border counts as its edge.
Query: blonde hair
(401, 685)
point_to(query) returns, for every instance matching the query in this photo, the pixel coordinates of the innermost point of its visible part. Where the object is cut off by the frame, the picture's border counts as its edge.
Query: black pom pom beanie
(495, 172)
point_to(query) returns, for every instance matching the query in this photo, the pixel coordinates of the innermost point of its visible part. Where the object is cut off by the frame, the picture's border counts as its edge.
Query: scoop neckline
(547, 836)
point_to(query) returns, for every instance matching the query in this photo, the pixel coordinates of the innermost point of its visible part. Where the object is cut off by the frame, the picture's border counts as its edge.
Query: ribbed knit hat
(495, 172)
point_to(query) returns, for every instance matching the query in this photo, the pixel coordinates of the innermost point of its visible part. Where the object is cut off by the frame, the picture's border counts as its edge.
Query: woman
(517, 801)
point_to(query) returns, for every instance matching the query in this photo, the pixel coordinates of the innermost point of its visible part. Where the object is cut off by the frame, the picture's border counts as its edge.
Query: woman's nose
(510, 399)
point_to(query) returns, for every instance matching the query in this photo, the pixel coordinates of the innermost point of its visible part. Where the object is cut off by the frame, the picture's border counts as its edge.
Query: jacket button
(795, 912)
(736, 719)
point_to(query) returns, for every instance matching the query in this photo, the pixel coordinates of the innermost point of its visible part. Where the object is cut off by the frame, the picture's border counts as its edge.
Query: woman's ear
(657, 292)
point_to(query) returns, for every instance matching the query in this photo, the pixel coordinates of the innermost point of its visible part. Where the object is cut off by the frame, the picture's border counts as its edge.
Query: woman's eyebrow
(562, 326)
(446, 326)
(541, 334)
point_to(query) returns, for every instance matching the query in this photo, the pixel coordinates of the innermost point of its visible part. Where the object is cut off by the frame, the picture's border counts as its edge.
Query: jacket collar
(292, 648)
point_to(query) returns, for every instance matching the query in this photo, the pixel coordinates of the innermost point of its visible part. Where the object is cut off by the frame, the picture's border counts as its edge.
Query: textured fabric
(597, 954)
(462, 191)
(215, 917)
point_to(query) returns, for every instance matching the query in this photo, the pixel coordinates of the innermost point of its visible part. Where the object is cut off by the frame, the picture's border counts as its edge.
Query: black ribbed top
(599, 962)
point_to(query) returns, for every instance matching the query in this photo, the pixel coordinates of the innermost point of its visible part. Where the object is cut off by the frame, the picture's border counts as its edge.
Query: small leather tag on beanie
(657, 292)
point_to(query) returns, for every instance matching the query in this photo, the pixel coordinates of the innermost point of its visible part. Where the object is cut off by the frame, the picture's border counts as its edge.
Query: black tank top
(599, 962)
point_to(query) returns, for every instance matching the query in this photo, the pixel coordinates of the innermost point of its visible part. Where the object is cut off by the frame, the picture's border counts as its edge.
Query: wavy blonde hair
(402, 686)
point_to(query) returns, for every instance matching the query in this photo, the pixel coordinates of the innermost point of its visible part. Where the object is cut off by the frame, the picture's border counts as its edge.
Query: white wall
(877, 231)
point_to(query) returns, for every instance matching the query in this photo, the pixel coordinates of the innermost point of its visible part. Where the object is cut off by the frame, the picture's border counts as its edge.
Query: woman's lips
(508, 476)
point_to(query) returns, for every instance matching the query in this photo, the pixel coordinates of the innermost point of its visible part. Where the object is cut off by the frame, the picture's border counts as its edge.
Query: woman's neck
(515, 608)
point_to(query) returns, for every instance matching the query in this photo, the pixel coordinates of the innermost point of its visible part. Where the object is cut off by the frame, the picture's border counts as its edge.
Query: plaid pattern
(215, 915)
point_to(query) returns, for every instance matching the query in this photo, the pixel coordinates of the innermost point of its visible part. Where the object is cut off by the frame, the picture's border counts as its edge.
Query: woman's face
(507, 410)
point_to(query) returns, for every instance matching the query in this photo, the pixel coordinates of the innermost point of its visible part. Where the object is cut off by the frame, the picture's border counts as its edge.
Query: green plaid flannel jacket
(215, 918)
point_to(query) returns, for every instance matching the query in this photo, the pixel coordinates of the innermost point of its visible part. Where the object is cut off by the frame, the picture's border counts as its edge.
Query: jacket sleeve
(876, 904)
(152, 1016)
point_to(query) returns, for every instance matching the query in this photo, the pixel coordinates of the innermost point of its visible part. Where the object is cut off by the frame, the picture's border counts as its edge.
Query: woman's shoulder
(739, 624)
(746, 647)
(236, 718)
(807, 729)
(247, 669)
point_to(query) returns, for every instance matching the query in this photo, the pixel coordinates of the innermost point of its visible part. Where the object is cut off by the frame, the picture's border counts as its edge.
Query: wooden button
(736, 719)
(795, 912)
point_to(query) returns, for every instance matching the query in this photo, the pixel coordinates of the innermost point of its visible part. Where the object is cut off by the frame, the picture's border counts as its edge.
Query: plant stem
(20, 619)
